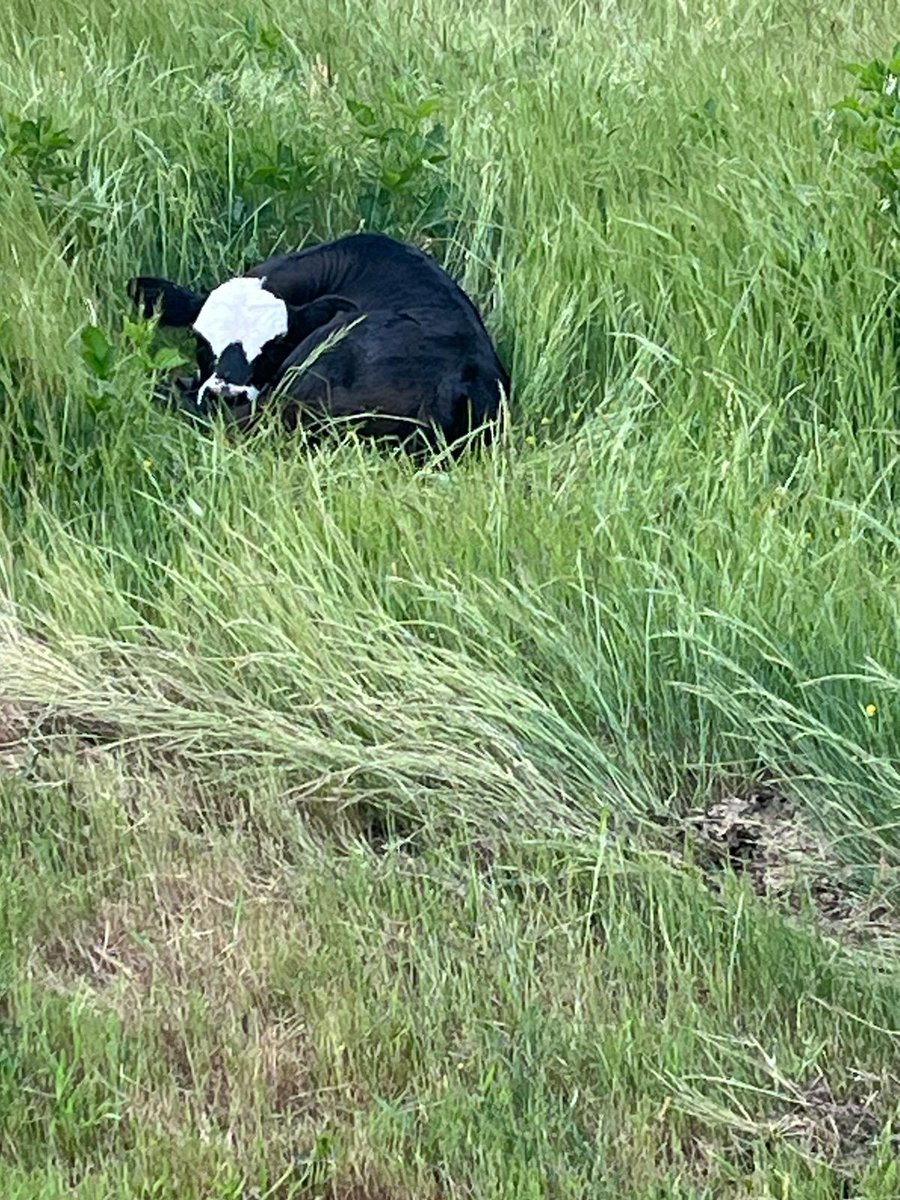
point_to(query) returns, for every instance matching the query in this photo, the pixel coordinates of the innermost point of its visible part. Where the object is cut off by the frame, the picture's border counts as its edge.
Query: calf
(393, 341)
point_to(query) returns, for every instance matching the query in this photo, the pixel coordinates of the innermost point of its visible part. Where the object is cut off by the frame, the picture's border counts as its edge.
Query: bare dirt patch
(826, 1123)
(14, 722)
(837, 1129)
(762, 835)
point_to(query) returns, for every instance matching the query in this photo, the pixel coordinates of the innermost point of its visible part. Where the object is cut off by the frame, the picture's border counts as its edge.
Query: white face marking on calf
(221, 387)
(241, 311)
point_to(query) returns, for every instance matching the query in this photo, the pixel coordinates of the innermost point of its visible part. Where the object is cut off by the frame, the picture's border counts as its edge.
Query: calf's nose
(230, 393)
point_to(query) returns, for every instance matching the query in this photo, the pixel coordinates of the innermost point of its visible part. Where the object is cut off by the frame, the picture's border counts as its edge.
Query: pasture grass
(352, 813)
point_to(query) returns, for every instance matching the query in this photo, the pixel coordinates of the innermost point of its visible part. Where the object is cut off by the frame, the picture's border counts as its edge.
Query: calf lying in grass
(364, 327)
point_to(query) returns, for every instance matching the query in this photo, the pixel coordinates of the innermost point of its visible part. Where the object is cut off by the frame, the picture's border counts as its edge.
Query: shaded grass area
(373, 832)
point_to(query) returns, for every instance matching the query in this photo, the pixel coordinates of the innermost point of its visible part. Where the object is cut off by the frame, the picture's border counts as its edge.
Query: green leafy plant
(284, 172)
(97, 352)
(99, 355)
(102, 356)
(281, 187)
(409, 187)
(315, 1169)
(706, 122)
(869, 124)
(139, 338)
(263, 42)
(40, 147)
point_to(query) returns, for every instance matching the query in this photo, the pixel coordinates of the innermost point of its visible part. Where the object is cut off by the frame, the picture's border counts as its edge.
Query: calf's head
(243, 331)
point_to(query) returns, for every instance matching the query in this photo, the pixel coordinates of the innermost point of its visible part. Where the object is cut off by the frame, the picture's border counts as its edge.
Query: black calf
(411, 356)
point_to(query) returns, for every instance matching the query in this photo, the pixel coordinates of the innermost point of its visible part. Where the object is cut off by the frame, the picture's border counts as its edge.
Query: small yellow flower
(545, 420)
(530, 441)
(871, 710)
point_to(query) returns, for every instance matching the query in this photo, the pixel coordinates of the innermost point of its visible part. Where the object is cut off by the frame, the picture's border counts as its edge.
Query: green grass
(345, 806)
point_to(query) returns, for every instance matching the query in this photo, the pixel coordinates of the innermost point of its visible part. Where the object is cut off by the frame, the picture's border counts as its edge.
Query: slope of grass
(349, 811)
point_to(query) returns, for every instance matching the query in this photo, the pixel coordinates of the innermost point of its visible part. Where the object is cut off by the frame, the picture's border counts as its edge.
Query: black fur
(418, 363)
(178, 306)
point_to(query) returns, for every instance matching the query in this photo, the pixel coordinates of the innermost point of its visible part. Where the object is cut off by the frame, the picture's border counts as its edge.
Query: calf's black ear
(303, 319)
(178, 306)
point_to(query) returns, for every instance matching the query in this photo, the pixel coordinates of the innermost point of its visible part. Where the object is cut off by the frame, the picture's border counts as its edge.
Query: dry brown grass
(184, 959)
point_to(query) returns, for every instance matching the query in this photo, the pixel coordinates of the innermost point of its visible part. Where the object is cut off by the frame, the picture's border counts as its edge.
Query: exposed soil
(762, 835)
(837, 1129)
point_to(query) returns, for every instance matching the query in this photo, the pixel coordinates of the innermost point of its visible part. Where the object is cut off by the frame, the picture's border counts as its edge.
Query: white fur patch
(241, 311)
(221, 387)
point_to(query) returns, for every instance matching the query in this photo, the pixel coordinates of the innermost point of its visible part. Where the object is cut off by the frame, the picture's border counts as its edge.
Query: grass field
(526, 829)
